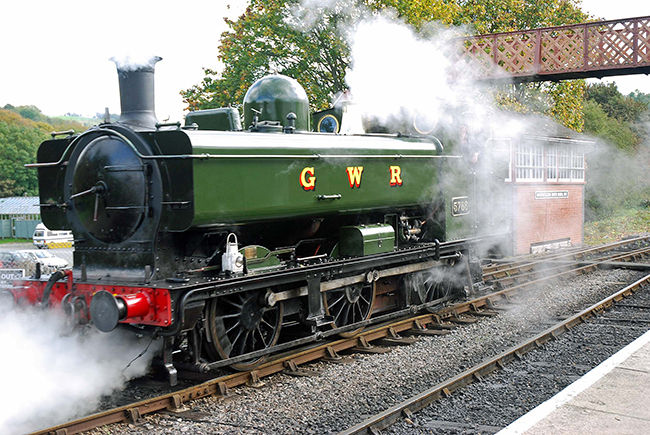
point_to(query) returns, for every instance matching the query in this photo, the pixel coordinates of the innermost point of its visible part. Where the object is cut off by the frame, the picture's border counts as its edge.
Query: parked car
(49, 262)
(15, 260)
(45, 238)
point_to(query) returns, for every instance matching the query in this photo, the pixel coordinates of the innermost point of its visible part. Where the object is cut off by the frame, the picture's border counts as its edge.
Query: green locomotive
(212, 238)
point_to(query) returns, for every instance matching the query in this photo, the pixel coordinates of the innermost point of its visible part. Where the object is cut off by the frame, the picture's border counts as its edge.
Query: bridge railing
(595, 49)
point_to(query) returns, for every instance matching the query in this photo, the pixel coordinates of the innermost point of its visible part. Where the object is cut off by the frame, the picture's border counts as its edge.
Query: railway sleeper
(292, 369)
(402, 341)
(332, 356)
(364, 347)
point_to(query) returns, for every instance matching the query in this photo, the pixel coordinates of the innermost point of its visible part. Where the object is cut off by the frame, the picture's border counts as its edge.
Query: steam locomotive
(214, 241)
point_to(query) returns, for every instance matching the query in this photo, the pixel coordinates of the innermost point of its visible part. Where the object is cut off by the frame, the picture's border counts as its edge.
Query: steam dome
(273, 97)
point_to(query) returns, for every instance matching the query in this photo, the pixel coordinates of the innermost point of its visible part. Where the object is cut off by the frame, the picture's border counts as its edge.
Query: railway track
(407, 408)
(389, 331)
(622, 254)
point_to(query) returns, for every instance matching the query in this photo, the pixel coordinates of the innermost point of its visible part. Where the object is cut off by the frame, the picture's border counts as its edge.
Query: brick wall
(543, 220)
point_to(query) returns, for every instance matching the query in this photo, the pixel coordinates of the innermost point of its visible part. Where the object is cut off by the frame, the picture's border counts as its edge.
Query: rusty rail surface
(420, 401)
(532, 271)
(291, 360)
(596, 49)
(507, 273)
(574, 253)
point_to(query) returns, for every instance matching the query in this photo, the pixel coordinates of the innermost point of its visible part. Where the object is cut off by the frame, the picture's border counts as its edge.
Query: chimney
(137, 92)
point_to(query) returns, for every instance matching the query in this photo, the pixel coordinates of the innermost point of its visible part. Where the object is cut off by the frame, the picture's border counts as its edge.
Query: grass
(3, 241)
(624, 223)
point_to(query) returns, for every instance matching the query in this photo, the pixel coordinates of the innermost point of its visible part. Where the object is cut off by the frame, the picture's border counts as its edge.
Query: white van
(44, 238)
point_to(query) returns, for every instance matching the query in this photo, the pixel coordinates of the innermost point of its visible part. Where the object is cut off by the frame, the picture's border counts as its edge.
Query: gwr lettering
(308, 178)
(395, 176)
(354, 175)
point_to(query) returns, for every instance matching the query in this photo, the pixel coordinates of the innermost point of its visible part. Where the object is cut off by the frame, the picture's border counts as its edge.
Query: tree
(618, 174)
(624, 119)
(639, 96)
(19, 139)
(615, 131)
(310, 41)
(615, 104)
(267, 37)
(494, 16)
(562, 100)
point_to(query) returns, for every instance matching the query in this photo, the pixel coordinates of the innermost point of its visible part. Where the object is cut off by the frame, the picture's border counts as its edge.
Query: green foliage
(567, 98)
(615, 131)
(615, 104)
(50, 124)
(22, 129)
(618, 167)
(561, 101)
(639, 96)
(269, 37)
(616, 181)
(19, 138)
(494, 16)
(314, 46)
(523, 98)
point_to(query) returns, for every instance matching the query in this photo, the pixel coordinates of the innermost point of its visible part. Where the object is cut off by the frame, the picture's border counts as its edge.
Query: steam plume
(51, 378)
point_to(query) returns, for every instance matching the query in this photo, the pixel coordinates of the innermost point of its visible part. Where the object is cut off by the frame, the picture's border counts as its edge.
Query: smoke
(398, 76)
(309, 14)
(616, 179)
(134, 62)
(50, 377)
(393, 69)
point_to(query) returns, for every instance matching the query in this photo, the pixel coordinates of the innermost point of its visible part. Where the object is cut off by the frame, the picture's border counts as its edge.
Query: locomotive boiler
(213, 241)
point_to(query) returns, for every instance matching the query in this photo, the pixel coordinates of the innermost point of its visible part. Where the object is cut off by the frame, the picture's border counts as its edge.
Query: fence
(5, 229)
(596, 49)
(19, 229)
(17, 263)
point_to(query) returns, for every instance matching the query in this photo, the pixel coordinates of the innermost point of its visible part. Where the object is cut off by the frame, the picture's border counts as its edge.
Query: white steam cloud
(392, 68)
(398, 73)
(133, 62)
(50, 378)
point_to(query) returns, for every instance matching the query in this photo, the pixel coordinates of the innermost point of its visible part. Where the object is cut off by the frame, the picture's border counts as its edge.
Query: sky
(56, 54)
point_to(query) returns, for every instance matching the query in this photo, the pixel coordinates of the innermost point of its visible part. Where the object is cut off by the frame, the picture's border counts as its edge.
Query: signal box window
(549, 163)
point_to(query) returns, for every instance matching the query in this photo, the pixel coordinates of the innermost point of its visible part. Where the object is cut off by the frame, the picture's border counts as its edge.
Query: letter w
(354, 175)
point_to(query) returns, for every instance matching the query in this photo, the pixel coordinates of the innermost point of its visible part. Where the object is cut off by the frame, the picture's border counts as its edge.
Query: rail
(291, 359)
(418, 402)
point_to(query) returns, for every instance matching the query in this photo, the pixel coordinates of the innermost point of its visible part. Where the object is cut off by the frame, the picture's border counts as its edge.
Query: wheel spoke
(339, 304)
(249, 344)
(233, 342)
(236, 324)
(262, 337)
(338, 315)
(233, 303)
(271, 327)
(367, 302)
(331, 305)
(239, 324)
(346, 309)
(358, 306)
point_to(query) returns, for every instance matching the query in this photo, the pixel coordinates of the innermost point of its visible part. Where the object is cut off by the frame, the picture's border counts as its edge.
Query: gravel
(488, 406)
(345, 394)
